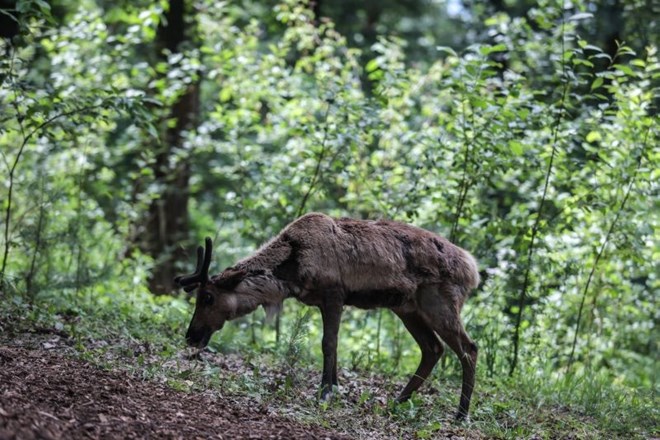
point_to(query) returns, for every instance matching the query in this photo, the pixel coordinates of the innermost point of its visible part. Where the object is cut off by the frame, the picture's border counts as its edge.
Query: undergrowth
(143, 335)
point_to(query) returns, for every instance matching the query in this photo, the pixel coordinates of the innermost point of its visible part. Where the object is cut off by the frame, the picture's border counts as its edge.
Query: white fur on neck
(272, 310)
(232, 303)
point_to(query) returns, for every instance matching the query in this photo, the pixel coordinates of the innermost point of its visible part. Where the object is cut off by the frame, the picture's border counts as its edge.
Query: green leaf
(446, 49)
(581, 16)
(593, 136)
(592, 47)
(45, 7)
(487, 50)
(225, 94)
(601, 55)
(581, 62)
(625, 69)
(597, 83)
(372, 65)
(516, 148)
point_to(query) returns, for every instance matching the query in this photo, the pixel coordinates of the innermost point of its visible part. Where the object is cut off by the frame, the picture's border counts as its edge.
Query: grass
(142, 335)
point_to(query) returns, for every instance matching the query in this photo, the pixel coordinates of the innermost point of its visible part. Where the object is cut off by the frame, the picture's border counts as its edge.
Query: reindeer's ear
(229, 279)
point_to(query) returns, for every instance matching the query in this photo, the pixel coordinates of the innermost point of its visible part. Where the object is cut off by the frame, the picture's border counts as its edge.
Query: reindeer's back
(381, 254)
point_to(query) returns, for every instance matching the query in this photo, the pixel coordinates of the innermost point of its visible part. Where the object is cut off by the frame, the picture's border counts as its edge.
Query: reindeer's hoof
(462, 417)
(326, 394)
(402, 398)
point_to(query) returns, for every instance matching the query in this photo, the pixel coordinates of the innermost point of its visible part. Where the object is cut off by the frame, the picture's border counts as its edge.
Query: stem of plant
(530, 250)
(602, 249)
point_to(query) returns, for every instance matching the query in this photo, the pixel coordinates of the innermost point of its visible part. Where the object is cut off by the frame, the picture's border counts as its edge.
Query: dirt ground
(46, 395)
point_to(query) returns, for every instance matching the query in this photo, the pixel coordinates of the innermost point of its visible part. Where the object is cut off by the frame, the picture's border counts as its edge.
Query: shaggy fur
(329, 263)
(357, 256)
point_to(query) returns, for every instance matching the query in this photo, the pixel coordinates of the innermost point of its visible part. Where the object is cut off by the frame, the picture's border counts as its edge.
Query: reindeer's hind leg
(331, 315)
(430, 346)
(441, 308)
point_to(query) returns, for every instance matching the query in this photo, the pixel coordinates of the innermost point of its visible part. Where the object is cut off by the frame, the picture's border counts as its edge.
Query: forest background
(525, 132)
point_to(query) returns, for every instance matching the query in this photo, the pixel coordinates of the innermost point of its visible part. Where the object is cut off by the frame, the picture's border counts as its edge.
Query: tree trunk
(167, 222)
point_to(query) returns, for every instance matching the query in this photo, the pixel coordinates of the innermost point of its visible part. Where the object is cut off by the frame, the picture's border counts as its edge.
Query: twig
(26, 139)
(303, 202)
(602, 249)
(465, 182)
(523, 292)
(37, 244)
(317, 169)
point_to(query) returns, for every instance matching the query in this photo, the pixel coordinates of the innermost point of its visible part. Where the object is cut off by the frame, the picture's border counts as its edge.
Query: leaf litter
(47, 395)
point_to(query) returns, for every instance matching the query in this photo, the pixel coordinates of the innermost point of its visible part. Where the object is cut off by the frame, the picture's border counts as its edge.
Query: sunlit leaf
(581, 16)
(593, 136)
(597, 83)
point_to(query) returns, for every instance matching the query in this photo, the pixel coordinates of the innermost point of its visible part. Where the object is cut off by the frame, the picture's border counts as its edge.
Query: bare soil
(47, 395)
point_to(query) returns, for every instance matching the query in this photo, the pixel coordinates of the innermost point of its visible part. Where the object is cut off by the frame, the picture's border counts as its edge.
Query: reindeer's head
(215, 302)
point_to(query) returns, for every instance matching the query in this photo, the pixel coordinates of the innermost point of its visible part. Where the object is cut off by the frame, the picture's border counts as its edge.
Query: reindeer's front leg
(331, 314)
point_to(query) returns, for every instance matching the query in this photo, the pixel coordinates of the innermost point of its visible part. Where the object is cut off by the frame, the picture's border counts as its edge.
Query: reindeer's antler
(201, 274)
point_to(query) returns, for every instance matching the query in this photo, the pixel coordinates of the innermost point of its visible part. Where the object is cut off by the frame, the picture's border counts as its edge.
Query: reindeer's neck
(268, 257)
(262, 289)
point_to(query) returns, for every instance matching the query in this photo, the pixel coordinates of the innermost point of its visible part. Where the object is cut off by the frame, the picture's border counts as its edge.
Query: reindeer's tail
(468, 270)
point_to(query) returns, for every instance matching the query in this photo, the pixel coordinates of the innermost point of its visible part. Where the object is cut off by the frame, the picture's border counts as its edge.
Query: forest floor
(57, 384)
(48, 392)
(47, 395)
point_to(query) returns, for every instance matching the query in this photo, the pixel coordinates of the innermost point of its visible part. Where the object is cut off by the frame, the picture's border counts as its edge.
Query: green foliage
(536, 149)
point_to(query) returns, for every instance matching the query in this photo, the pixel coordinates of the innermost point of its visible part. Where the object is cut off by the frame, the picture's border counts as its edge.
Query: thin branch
(5, 160)
(602, 249)
(26, 139)
(78, 246)
(303, 202)
(317, 169)
(38, 240)
(464, 181)
(535, 228)
(61, 115)
(10, 190)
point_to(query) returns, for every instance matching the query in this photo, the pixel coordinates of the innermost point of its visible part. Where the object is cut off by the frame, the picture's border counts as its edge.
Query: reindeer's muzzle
(198, 338)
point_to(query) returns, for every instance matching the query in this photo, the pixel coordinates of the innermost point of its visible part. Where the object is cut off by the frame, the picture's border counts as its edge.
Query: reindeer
(329, 263)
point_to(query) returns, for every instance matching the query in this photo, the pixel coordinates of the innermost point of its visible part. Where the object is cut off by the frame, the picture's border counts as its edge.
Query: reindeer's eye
(207, 299)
